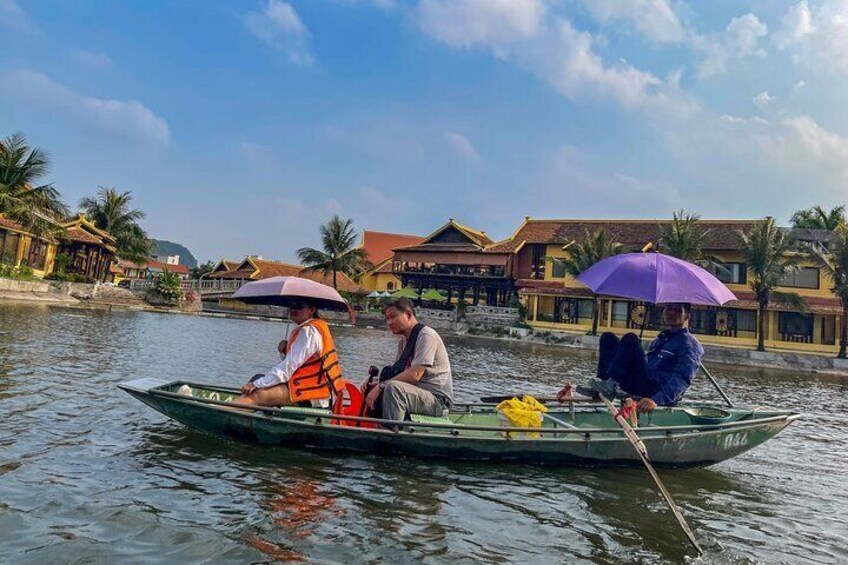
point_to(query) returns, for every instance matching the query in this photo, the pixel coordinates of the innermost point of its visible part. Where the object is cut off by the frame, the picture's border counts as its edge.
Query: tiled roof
(82, 236)
(379, 245)
(721, 234)
(7, 223)
(442, 247)
(268, 269)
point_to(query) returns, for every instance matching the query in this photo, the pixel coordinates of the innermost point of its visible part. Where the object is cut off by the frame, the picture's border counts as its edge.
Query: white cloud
(99, 60)
(795, 25)
(279, 25)
(382, 4)
(467, 23)
(741, 38)
(805, 145)
(763, 101)
(655, 19)
(13, 17)
(799, 84)
(554, 51)
(335, 207)
(374, 197)
(817, 37)
(127, 118)
(463, 147)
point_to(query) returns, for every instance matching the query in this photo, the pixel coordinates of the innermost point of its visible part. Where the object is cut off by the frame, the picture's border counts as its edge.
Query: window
(37, 255)
(8, 247)
(806, 277)
(619, 311)
(746, 320)
(537, 268)
(584, 309)
(733, 273)
(795, 324)
(558, 271)
(390, 286)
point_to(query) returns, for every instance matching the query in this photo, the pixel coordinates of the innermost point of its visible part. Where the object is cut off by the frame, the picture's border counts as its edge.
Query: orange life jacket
(321, 375)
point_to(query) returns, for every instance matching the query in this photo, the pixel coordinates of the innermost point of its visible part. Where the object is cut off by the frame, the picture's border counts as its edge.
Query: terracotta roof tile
(721, 234)
(7, 223)
(78, 234)
(379, 245)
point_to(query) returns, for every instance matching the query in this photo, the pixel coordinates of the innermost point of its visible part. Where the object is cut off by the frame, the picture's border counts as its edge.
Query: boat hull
(670, 446)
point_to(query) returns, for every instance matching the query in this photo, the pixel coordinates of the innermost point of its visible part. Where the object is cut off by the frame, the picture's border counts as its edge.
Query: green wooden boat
(576, 434)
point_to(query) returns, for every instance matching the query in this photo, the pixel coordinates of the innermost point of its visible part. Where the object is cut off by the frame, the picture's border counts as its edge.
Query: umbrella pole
(716, 385)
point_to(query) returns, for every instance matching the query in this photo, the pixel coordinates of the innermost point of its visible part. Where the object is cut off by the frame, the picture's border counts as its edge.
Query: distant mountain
(162, 247)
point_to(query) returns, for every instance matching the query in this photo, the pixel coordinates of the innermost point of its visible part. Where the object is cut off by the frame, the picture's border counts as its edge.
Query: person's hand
(566, 393)
(248, 389)
(646, 405)
(372, 397)
(282, 346)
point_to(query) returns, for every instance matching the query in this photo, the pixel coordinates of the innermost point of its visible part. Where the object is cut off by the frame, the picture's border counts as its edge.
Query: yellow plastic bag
(524, 413)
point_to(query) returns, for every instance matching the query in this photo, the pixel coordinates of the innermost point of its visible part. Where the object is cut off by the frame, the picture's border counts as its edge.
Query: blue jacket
(673, 359)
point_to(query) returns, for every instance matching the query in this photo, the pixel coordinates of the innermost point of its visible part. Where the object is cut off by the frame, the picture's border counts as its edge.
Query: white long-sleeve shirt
(307, 343)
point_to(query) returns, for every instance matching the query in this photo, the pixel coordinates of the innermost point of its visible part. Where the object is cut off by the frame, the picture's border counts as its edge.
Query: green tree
(339, 253)
(202, 270)
(22, 199)
(583, 254)
(833, 260)
(684, 239)
(771, 253)
(816, 218)
(110, 211)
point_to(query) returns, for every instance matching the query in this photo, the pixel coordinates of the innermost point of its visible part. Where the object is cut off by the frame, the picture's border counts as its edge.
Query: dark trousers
(624, 361)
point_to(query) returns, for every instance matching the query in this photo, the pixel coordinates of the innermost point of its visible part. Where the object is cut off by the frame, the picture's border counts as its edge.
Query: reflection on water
(89, 474)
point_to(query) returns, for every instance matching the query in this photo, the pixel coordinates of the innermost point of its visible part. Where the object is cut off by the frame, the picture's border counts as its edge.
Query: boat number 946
(732, 441)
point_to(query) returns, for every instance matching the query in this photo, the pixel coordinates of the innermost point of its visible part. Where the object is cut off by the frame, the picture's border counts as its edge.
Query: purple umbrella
(656, 278)
(283, 291)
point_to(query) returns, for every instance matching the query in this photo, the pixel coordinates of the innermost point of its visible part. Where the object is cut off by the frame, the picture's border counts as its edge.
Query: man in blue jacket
(661, 376)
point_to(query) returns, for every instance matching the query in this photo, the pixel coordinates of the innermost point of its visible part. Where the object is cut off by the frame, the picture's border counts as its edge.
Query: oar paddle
(640, 448)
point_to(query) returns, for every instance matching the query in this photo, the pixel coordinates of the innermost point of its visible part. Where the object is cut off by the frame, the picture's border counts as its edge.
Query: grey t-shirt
(431, 354)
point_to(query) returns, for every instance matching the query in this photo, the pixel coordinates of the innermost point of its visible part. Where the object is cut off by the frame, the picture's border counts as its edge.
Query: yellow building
(556, 301)
(20, 247)
(379, 247)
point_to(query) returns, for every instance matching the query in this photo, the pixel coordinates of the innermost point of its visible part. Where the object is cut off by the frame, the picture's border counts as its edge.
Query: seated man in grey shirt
(423, 385)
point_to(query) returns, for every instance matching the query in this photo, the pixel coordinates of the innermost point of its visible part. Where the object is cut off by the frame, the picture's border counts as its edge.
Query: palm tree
(771, 254)
(339, 254)
(816, 218)
(684, 240)
(833, 260)
(34, 206)
(583, 254)
(110, 211)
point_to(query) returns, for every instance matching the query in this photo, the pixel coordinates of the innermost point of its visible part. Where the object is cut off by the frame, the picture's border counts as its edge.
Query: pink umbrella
(283, 291)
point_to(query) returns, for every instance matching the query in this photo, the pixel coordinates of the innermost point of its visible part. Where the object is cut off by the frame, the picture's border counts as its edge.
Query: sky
(240, 127)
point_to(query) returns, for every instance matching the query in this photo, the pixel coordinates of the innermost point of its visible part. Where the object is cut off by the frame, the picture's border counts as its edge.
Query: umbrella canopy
(406, 292)
(283, 291)
(657, 278)
(386, 294)
(374, 294)
(434, 295)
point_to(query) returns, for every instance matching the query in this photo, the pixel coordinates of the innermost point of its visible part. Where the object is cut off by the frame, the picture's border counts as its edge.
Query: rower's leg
(272, 396)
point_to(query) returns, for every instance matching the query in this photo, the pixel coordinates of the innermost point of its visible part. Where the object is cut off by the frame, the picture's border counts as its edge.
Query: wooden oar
(640, 448)
(543, 400)
(715, 384)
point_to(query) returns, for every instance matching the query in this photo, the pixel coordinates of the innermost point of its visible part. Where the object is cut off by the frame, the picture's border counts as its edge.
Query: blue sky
(239, 127)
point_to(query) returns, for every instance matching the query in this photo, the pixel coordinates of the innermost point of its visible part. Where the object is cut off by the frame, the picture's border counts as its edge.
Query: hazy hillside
(162, 247)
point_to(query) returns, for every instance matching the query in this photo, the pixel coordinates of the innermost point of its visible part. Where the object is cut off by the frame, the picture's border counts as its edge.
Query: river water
(90, 475)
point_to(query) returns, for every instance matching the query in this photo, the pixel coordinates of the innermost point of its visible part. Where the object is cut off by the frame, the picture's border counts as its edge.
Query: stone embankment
(85, 295)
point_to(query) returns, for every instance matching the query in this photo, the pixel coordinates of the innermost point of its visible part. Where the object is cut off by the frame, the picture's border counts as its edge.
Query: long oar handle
(640, 448)
(716, 385)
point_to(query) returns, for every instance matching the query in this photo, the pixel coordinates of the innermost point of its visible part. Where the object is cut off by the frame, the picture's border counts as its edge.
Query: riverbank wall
(80, 295)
